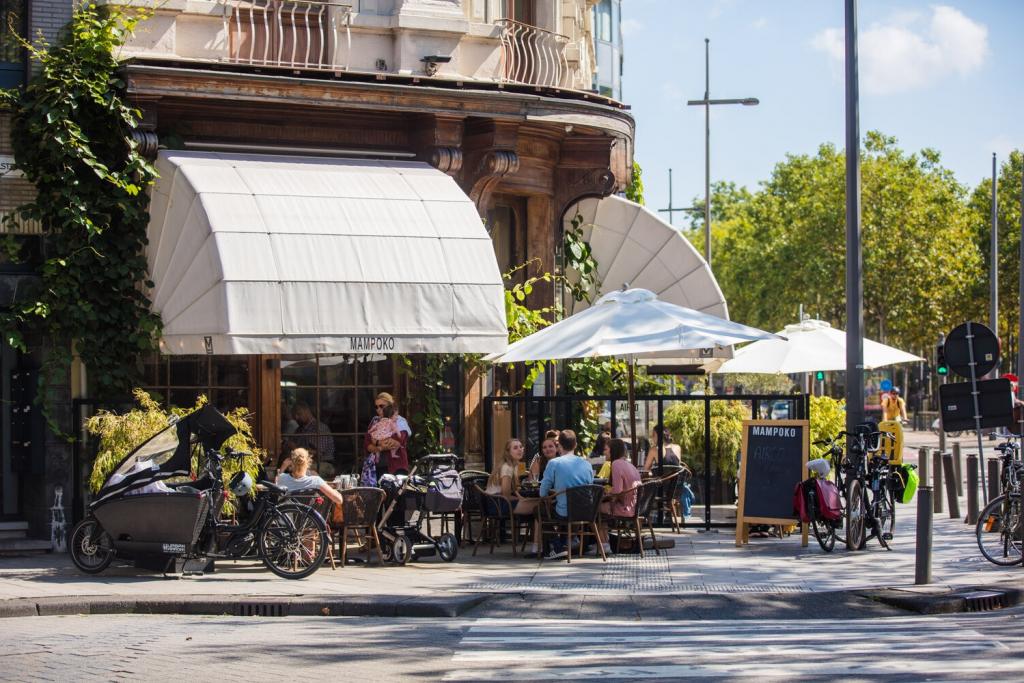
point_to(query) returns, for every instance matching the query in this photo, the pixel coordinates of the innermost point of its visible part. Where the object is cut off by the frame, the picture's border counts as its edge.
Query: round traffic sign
(970, 337)
(886, 385)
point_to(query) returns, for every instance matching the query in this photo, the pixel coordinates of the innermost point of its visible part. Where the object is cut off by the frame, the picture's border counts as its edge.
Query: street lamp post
(706, 103)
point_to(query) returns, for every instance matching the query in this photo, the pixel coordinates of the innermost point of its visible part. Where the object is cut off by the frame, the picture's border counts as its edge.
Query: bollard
(951, 497)
(994, 483)
(922, 463)
(958, 467)
(937, 481)
(972, 489)
(923, 558)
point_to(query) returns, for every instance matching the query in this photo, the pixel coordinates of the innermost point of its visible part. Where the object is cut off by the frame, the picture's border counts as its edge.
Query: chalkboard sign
(773, 460)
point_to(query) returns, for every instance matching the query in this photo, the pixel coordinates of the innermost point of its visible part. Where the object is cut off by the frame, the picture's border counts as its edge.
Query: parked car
(780, 410)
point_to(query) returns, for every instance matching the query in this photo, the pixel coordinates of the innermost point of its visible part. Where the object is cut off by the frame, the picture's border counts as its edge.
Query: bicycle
(999, 530)
(870, 498)
(834, 454)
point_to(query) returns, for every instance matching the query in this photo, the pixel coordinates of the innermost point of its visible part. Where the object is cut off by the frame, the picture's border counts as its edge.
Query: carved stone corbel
(492, 167)
(447, 160)
(147, 142)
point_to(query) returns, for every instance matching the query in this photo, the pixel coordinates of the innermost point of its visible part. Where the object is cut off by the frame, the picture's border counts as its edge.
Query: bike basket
(829, 505)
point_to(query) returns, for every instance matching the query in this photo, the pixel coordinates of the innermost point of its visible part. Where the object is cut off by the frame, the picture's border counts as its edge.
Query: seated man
(300, 480)
(564, 472)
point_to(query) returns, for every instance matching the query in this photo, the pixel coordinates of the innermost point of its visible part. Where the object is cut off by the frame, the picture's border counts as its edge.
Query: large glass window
(603, 20)
(179, 380)
(12, 65)
(327, 403)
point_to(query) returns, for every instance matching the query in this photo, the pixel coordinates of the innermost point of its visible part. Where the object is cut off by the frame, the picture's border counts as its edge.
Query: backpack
(444, 492)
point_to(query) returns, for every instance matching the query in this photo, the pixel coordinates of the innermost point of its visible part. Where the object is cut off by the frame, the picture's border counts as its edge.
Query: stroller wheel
(401, 550)
(447, 547)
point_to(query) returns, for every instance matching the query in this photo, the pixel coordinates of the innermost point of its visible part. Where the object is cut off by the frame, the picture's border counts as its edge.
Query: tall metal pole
(993, 268)
(854, 283)
(1020, 301)
(707, 151)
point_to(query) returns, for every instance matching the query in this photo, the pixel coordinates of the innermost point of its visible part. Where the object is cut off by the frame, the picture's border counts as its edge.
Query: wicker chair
(634, 525)
(325, 506)
(583, 509)
(360, 509)
(495, 512)
(472, 505)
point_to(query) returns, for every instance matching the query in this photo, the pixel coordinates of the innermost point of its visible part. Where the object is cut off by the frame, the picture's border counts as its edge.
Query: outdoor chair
(325, 506)
(472, 505)
(583, 509)
(360, 508)
(495, 511)
(676, 484)
(632, 527)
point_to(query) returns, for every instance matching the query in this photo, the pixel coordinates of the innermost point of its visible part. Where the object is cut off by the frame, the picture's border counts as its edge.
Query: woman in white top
(504, 479)
(300, 480)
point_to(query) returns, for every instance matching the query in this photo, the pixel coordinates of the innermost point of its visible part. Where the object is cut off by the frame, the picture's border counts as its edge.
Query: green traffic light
(819, 375)
(942, 370)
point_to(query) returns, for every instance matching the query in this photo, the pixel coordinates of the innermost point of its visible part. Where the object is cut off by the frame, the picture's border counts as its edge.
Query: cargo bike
(140, 516)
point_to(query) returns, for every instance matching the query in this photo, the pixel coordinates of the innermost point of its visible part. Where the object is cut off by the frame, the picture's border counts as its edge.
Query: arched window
(12, 55)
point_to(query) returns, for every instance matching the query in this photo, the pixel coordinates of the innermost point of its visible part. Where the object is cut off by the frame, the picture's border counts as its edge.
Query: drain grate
(262, 609)
(984, 601)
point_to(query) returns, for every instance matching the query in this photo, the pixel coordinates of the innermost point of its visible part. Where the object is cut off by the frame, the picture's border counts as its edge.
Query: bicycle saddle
(272, 487)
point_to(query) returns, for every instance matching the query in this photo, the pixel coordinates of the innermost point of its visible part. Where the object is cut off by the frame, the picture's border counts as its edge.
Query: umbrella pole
(630, 396)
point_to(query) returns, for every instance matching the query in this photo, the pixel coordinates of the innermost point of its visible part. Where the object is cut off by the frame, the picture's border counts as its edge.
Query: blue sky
(942, 75)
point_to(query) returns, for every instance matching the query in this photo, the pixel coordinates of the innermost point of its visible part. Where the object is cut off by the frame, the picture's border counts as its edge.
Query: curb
(245, 605)
(952, 601)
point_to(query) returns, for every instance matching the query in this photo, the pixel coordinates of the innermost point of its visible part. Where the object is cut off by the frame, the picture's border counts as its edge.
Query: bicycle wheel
(824, 530)
(856, 515)
(999, 531)
(839, 525)
(884, 517)
(293, 541)
(91, 548)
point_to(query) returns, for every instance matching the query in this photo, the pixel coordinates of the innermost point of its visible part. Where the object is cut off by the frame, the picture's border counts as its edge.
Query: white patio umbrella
(632, 324)
(809, 346)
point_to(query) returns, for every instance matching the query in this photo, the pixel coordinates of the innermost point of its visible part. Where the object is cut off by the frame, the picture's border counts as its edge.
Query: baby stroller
(432, 488)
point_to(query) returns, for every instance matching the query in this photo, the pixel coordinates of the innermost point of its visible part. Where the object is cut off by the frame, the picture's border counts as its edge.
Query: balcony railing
(298, 34)
(534, 56)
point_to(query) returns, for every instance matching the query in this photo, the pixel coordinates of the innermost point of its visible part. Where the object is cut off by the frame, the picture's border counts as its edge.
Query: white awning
(270, 254)
(636, 248)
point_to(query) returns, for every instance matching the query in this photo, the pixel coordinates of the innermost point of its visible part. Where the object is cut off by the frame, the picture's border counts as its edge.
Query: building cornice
(177, 83)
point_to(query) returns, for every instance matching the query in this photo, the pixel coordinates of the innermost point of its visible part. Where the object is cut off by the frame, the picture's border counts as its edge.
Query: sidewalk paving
(700, 564)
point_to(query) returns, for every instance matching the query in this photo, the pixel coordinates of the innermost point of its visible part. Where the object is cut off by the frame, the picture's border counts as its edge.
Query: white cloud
(631, 27)
(911, 50)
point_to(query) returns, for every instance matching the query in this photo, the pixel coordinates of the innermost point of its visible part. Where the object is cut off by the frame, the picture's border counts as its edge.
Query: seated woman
(624, 480)
(300, 480)
(599, 456)
(673, 453)
(548, 451)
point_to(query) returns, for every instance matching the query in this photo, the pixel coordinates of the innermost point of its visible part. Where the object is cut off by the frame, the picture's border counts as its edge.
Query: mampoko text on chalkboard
(773, 460)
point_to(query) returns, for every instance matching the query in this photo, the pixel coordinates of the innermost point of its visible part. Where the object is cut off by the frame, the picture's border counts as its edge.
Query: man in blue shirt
(564, 472)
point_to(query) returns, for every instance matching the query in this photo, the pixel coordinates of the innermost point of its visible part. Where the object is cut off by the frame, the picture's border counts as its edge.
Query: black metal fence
(528, 417)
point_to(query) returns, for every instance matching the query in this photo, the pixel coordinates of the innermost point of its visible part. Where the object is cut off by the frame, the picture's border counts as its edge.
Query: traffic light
(819, 376)
(940, 360)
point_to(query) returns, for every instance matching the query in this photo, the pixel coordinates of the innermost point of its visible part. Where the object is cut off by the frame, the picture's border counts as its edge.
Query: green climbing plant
(72, 137)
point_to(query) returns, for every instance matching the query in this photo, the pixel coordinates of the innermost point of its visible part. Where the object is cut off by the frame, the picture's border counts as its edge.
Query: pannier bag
(829, 504)
(444, 492)
(904, 483)
(827, 495)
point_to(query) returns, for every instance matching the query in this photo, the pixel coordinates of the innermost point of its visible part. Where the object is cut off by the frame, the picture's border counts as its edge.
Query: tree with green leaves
(785, 245)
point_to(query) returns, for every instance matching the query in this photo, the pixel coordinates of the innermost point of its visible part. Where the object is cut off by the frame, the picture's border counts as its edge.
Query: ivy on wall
(72, 137)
